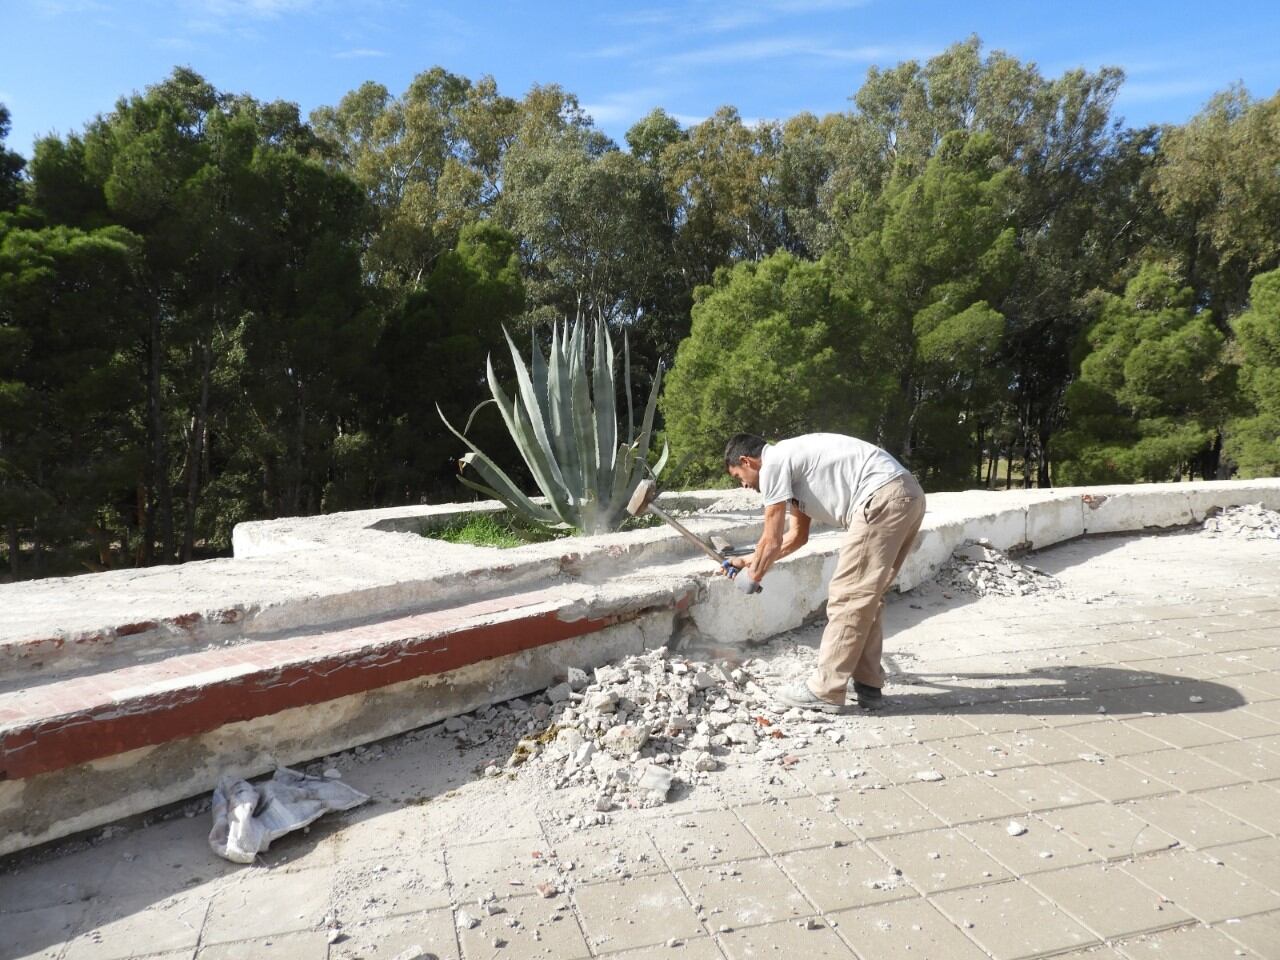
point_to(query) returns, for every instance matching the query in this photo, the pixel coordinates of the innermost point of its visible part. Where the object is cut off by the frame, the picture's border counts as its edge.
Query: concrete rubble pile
(1252, 521)
(979, 569)
(653, 723)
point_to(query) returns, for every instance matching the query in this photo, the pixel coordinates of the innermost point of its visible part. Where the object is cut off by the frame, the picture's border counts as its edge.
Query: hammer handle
(689, 535)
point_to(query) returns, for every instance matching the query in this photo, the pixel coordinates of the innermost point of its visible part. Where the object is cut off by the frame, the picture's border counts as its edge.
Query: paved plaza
(1092, 772)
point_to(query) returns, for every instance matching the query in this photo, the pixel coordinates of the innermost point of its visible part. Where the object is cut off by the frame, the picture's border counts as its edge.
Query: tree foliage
(213, 309)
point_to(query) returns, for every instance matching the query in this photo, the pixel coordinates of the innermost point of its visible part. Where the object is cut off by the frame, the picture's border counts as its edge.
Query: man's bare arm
(773, 545)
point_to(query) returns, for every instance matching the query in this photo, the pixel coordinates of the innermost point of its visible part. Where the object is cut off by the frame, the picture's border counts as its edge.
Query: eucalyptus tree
(1216, 182)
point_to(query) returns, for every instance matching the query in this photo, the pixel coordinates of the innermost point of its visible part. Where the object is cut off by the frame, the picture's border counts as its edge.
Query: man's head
(742, 459)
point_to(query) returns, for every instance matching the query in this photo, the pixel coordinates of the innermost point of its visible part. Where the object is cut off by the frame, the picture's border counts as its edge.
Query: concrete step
(84, 750)
(63, 627)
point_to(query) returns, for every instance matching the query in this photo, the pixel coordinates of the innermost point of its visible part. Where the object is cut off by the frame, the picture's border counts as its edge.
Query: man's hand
(733, 565)
(744, 583)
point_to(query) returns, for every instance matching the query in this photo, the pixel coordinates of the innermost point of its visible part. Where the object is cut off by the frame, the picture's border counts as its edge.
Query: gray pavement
(1110, 787)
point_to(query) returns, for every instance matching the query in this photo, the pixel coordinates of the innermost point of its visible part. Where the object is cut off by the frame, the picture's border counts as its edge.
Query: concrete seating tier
(124, 691)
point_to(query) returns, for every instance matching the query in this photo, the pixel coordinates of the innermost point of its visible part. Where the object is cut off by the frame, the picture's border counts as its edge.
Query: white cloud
(255, 9)
(359, 53)
(781, 48)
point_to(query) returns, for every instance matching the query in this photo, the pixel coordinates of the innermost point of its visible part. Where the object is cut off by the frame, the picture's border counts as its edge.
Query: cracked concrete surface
(1131, 725)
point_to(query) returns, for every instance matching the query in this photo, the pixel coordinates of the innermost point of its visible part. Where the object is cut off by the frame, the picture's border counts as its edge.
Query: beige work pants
(878, 540)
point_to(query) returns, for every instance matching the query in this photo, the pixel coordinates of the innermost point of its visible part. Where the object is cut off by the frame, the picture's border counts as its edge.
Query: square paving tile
(937, 726)
(369, 890)
(900, 764)
(796, 824)
(836, 770)
(905, 930)
(547, 928)
(783, 940)
(1201, 887)
(432, 932)
(1107, 901)
(846, 877)
(1240, 723)
(639, 912)
(696, 948)
(964, 800)
(1255, 803)
(1188, 943)
(1249, 759)
(1259, 933)
(880, 813)
(1112, 832)
(1261, 687)
(940, 860)
(746, 894)
(978, 753)
(303, 945)
(1196, 823)
(40, 933)
(1177, 730)
(1117, 738)
(263, 903)
(1184, 768)
(1258, 860)
(700, 839)
(1113, 779)
(173, 924)
(506, 866)
(1041, 788)
(1048, 746)
(996, 718)
(1040, 848)
(1012, 921)
(608, 853)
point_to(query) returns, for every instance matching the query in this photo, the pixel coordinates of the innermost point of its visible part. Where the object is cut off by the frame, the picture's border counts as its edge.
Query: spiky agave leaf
(562, 417)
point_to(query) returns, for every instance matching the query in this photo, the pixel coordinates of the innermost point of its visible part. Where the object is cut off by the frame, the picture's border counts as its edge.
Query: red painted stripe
(80, 720)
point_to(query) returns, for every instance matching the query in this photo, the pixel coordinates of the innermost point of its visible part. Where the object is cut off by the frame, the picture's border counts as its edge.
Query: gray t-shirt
(829, 475)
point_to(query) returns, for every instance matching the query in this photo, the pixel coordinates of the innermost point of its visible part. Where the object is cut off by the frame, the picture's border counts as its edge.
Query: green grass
(504, 531)
(492, 530)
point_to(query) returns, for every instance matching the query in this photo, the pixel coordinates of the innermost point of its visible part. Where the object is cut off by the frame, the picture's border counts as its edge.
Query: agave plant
(564, 423)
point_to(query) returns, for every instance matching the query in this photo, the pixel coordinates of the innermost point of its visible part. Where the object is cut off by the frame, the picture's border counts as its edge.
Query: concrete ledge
(123, 691)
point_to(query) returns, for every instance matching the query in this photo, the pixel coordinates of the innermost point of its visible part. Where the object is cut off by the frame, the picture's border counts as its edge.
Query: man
(844, 482)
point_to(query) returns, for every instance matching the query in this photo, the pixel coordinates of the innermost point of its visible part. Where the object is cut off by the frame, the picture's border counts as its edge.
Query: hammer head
(643, 496)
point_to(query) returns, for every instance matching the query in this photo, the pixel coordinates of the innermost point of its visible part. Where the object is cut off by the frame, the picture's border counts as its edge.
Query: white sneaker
(799, 695)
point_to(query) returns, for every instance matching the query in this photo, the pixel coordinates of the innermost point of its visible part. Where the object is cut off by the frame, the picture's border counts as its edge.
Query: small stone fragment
(929, 776)
(559, 692)
(1015, 829)
(547, 890)
(466, 921)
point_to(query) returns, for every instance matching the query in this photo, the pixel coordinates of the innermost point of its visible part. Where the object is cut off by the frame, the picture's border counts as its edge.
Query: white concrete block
(1054, 520)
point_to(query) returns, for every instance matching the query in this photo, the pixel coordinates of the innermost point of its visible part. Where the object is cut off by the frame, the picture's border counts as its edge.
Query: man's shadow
(1058, 691)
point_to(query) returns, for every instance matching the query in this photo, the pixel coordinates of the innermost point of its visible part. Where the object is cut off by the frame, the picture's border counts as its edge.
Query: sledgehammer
(642, 500)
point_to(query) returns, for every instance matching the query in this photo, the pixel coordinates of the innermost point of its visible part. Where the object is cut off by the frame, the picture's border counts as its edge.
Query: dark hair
(742, 445)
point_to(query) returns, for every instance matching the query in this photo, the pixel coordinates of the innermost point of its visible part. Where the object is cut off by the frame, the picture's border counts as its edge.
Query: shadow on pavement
(1060, 690)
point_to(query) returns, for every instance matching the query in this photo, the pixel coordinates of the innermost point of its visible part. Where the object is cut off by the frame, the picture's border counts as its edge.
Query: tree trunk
(195, 454)
(1008, 469)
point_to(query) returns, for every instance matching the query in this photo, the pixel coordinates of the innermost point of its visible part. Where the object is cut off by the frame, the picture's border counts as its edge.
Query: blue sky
(64, 61)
